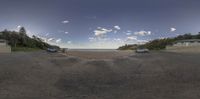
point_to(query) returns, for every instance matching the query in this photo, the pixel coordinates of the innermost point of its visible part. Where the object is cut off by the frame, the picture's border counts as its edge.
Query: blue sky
(101, 23)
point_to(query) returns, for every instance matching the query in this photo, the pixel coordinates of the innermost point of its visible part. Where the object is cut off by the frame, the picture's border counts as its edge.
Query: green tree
(22, 31)
(198, 35)
(14, 39)
(23, 36)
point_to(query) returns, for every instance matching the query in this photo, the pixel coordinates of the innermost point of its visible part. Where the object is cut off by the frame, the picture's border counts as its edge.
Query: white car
(142, 50)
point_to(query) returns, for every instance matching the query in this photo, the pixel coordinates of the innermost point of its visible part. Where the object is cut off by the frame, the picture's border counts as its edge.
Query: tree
(20, 39)
(14, 39)
(187, 36)
(22, 31)
(23, 39)
(198, 35)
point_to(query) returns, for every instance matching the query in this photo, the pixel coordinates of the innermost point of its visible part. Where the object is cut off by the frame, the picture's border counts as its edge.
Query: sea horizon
(92, 50)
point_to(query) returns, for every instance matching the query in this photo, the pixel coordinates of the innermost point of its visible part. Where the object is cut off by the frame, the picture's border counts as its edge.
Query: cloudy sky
(101, 23)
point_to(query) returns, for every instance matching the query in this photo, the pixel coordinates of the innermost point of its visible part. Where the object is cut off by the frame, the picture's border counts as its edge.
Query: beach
(99, 75)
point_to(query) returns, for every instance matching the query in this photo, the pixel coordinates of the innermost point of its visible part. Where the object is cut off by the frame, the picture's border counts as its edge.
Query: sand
(155, 75)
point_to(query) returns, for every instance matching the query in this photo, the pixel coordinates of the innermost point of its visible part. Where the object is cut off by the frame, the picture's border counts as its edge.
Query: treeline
(21, 39)
(128, 47)
(159, 44)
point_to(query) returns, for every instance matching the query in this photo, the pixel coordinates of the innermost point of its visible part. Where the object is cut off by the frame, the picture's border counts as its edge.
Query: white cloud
(117, 27)
(69, 42)
(42, 38)
(61, 31)
(115, 31)
(59, 40)
(29, 33)
(50, 39)
(128, 33)
(172, 29)
(66, 32)
(143, 33)
(135, 40)
(47, 34)
(162, 37)
(98, 39)
(19, 26)
(91, 39)
(99, 27)
(65, 21)
(142, 41)
(131, 38)
(117, 40)
(108, 43)
(100, 32)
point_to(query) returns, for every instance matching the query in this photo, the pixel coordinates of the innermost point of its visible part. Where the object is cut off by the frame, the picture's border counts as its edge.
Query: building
(190, 45)
(187, 43)
(4, 47)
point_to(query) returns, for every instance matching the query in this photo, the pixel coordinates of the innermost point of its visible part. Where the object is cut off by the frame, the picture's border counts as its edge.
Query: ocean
(93, 50)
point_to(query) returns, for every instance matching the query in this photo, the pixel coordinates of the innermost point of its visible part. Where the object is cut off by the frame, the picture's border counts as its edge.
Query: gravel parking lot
(156, 75)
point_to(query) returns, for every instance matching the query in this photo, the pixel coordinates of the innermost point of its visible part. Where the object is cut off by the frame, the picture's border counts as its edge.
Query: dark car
(53, 50)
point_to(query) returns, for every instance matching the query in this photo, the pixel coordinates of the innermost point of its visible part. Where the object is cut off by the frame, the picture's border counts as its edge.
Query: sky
(101, 24)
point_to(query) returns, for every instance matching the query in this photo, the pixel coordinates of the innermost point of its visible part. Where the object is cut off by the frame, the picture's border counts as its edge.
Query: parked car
(53, 50)
(142, 50)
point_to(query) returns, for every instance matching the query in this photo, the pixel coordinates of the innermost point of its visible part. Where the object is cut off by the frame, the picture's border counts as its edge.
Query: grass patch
(24, 49)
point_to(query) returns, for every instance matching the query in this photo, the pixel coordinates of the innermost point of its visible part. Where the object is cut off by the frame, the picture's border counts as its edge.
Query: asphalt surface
(157, 75)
